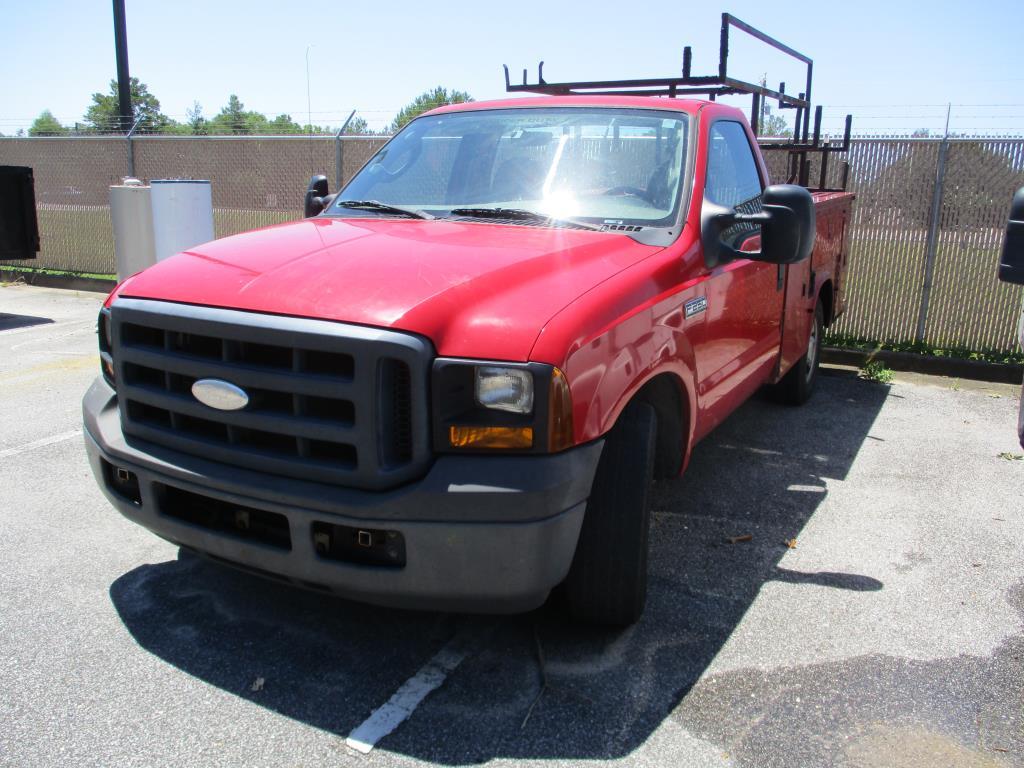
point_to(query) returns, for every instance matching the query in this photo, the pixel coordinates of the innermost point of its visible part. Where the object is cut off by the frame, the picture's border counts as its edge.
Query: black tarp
(19, 226)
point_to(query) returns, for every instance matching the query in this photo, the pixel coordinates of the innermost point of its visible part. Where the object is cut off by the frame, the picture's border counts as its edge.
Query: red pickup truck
(453, 386)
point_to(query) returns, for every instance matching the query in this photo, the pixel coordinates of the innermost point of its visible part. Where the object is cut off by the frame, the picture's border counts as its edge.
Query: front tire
(797, 386)
(607, 583)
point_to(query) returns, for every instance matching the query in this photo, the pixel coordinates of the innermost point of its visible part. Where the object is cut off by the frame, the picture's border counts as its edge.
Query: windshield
(599, 166)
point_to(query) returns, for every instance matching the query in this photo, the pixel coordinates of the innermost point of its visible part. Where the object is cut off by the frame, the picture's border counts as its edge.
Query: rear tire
(797, 386)
(607, 583)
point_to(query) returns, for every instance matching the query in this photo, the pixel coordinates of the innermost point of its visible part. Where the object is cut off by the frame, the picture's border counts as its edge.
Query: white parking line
(8, 452)
(405, 700)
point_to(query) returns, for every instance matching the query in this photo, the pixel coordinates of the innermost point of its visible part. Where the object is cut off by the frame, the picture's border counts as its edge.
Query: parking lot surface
(873, 617)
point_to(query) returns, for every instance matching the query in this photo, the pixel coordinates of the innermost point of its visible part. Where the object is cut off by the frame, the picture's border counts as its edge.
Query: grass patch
(876, 371)
(957, 353)
(14, 272)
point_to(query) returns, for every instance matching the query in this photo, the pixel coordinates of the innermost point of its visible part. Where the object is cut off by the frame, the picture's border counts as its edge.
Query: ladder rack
(803, 143)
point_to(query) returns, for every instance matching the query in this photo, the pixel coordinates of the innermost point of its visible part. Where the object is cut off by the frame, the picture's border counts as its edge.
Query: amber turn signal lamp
(490, 437)
(560, 432)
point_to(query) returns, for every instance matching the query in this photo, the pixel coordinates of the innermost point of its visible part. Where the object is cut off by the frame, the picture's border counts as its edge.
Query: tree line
(102, 117)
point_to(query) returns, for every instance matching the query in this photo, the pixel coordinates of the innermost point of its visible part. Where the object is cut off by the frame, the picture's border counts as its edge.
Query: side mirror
(787, 227)
(788, 235)
(315, 194)
(1011, 263)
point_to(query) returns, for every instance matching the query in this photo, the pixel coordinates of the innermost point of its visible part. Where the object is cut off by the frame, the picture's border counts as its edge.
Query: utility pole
(309, 101)
(124, 87)
(309, 111)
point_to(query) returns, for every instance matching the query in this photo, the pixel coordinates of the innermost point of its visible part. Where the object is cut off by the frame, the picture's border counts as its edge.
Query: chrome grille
(328, 401)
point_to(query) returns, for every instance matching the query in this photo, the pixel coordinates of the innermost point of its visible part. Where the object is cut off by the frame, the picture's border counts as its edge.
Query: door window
(732, 180)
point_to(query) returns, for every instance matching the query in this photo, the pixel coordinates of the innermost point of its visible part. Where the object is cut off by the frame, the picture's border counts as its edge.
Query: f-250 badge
(693, 306)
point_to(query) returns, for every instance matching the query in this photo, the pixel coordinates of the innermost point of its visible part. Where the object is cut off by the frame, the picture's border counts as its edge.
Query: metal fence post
(931, 243)
(339, 155)
(131, 147)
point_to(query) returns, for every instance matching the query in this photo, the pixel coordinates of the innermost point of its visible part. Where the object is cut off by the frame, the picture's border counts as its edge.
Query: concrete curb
(1004, 373)
(70, 282)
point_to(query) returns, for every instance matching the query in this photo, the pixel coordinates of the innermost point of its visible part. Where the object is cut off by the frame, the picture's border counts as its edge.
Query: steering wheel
(409, 152)
(626, 190)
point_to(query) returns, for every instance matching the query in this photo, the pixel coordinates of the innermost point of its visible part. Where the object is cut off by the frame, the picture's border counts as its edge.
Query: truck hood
(475, 289)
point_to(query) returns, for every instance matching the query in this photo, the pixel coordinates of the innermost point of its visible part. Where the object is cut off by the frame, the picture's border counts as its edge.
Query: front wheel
(797, 385)
(607, 583)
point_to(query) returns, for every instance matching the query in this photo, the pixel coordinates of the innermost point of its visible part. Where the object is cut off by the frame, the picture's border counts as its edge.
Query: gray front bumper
(482, 533)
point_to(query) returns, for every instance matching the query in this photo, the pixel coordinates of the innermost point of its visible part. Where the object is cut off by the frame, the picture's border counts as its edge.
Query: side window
(732, 179)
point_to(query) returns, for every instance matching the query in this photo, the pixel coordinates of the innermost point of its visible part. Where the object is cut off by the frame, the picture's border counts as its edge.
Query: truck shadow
(329, 663)
(9, 322)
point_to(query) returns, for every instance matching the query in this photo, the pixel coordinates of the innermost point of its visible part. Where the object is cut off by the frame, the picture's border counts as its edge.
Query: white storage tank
(132, 218)
(182, 214)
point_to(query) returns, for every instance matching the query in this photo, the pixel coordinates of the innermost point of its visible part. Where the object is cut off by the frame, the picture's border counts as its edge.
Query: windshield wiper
(521, 214)
(376, 205)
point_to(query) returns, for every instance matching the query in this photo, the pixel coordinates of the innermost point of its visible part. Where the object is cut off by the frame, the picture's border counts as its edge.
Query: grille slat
(327, 401)
(242, 375)
(314, 468)
(318, 429)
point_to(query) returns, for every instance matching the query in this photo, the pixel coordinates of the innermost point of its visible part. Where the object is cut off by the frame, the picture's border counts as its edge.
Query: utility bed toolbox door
(828, 263)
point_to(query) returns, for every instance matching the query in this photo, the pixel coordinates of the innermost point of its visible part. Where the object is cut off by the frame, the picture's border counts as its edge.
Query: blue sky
(893, 64)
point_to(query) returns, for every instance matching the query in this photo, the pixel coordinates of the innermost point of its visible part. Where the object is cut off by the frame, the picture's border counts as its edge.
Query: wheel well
(663, 392)
(825, 295)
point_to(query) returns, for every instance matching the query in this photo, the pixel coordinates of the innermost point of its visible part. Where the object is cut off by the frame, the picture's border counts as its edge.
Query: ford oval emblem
(222, 395)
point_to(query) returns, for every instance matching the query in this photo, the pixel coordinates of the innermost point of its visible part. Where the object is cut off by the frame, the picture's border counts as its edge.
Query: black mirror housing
(1011, 263)
(315, 194)
(787, 227)
(787, 237)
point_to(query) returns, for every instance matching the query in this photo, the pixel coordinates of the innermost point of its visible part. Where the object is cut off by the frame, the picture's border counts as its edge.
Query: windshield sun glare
(594, 165)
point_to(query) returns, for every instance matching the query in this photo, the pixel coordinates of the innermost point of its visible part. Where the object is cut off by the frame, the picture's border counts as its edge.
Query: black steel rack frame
(799, 148)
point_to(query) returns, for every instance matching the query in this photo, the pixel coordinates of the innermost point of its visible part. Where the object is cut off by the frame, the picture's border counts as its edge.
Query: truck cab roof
(689, 106)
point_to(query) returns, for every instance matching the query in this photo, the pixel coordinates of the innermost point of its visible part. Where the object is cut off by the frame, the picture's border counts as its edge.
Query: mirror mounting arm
(715, 220)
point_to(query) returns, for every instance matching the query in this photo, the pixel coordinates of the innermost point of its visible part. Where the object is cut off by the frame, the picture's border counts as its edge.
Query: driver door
(744, 297)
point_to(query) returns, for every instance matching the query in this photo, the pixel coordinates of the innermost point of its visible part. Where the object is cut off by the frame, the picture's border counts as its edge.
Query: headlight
(504, 389)
(509, 407)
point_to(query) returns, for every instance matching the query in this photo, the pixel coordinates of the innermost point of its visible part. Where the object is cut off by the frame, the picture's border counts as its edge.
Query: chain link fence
(256, 181)
(925, 236)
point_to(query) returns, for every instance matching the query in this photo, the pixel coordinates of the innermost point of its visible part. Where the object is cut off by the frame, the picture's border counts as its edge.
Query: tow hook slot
(123, 482)
(322, 543)
(363, 546)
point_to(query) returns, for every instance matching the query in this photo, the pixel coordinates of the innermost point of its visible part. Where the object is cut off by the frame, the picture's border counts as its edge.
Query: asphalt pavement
(840, 584)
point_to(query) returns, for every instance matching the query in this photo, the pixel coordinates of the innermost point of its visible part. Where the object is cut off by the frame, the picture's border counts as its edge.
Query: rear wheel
(607, 583)
(797, 385)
